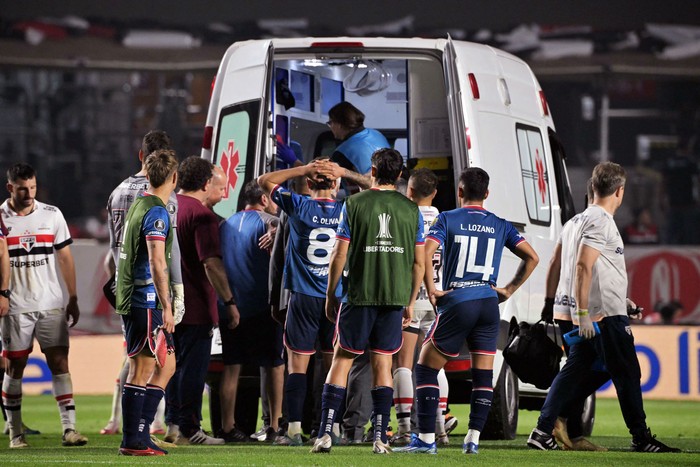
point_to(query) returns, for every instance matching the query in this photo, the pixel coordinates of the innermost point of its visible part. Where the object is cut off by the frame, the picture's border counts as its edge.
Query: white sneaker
(73, 438)
(172, 433)
(202, 438)
(322, 444)
(261, 434)
(18, 442)
(381, 448)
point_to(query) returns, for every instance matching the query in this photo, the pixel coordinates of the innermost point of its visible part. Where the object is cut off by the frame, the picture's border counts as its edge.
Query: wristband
(230, 301)
(581, 312)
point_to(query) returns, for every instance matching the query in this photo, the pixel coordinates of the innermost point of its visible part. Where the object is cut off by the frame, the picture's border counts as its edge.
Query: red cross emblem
(541, 183)
(229, 162)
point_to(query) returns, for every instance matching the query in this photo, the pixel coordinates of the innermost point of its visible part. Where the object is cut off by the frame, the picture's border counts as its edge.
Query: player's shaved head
(423, 182)
(160, 165)
(474, 182)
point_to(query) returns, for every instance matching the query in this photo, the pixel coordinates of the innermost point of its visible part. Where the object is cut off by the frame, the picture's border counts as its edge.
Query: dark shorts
(474, 320)
(378, 327)
(306, 321)
(138, 329)
(257, 340)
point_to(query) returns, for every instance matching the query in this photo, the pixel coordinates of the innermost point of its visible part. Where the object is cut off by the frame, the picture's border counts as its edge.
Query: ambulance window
(302, 87)
(566, 202)
(533, 168)
(235, 151)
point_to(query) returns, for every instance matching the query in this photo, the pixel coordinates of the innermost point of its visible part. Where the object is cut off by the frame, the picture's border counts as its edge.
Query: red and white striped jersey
(31, 242)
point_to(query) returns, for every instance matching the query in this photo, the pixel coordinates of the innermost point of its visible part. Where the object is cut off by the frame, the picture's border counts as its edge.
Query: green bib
(134, 244)
(383, 229)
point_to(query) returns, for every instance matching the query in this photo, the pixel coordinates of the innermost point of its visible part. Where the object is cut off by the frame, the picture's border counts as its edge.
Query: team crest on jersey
(384, 220)
(27, 242)
(159, 225)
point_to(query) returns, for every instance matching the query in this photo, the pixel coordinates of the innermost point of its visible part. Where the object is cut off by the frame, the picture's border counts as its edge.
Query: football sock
(295, 393)
(153, 397)
(132, 403)
(117, 396)
(442, 406)
(381, 406)
(482, 395)
(331, 401)
(160, 411)
(63, 392)
(12, 400)
(2, 405)
(427, 400)
(472, 437)
(403, 398)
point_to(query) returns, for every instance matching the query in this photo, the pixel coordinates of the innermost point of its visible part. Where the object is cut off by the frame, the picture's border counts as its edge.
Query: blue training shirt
(312, 225)
(472, 240)
(155, 227)
(359, 147)
(247, 266)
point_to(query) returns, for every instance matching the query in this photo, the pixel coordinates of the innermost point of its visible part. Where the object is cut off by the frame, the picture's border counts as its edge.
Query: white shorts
(18, 331)
(423, 318)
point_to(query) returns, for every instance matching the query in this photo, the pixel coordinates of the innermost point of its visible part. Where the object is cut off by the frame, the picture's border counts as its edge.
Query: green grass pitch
(676, 423)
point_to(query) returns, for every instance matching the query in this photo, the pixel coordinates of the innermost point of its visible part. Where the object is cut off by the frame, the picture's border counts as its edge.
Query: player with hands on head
(311, 224)
(472, 241)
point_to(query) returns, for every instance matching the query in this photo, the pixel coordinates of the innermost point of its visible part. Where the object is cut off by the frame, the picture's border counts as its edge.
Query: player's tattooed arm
(333, 171)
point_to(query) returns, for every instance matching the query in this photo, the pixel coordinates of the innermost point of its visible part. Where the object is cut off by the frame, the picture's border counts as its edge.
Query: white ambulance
(444, 104)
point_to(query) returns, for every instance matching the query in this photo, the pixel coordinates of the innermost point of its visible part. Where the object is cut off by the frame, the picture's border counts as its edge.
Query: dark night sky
(466, 14)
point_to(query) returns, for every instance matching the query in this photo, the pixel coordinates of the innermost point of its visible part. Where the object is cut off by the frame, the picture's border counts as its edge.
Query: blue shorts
(138, 329)
(376, 326)
(306, 321)
(257, 340)
(474, 320)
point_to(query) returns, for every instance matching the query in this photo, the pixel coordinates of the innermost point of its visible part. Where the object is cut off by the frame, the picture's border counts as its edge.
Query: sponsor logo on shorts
(628, 330)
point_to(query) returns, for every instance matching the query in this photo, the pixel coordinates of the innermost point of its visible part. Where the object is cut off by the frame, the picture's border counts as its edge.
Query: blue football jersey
(472, 240)
(312, 226)
(155, 227)
(247, 266)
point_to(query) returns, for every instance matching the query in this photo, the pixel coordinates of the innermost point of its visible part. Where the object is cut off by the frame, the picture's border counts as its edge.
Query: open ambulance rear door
(235, 137)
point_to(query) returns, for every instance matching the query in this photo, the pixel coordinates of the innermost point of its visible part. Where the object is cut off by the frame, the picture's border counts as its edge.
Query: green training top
(147, 219)
(383, 227)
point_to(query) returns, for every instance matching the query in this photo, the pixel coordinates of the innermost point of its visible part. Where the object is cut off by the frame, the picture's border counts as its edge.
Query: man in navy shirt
(472, 241)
